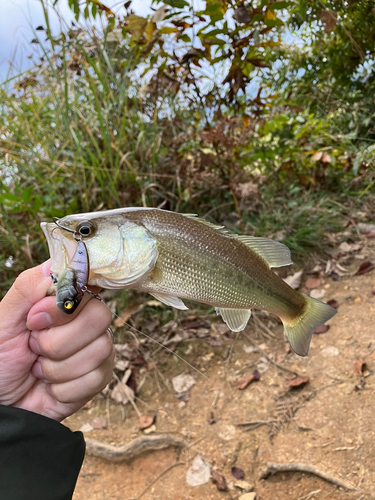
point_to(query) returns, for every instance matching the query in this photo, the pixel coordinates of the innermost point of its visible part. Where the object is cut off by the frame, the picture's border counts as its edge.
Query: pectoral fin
(169, 300)
(236, 319)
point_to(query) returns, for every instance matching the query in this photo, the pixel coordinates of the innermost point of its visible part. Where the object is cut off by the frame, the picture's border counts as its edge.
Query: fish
(176, 256)
(70, 286)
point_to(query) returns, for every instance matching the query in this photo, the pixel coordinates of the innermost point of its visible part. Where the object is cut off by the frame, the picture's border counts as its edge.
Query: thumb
(30, 287)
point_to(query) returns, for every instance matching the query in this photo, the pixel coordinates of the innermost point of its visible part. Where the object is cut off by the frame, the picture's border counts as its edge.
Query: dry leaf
(160, 14)
(365, 267)
(326, 158)
(366, 228)
(358, 367)
(243, 382)
(145, 421)
(297, 382)
(136, 26)
(126, 313)
(199, 472)
(317, 156)
(321, 329)
(313, 282)
(219, 480)
(237, 473)
(294, 280)
(317, 294)
(329, 19)
(333, 303)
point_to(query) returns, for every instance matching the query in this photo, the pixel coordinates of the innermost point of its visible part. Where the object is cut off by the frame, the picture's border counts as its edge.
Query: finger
(45, 313)
(60, 342)
(30, 287)
(86, 360)
(84, 387)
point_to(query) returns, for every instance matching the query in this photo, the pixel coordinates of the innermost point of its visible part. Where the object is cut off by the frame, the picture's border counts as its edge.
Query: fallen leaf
(358, 367)
(99, 423)
(237, 473)
(219, 480)
(145, 421)
(365, 267)
(294, 280)
(90, 404)
(126, 313)
(199, 473)
(333, 303)
(321, 329)
(317, 294)
(313, 282)
(243, 382)
(297, 382)
(366, 228)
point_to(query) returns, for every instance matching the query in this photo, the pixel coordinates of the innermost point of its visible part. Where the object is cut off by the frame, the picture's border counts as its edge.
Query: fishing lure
(72, 284)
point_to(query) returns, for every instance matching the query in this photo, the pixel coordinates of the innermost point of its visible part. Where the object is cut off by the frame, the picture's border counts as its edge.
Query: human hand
(51, 363)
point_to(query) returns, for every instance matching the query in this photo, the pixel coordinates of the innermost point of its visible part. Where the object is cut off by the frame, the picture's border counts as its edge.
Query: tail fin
(299, 332)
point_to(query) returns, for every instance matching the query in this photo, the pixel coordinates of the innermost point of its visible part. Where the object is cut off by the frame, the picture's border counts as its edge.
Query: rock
(86, 427)
(330, 351)
(183, 382)
(149, 430)
(199, 473)
(243, 485)
(248, 496)
(227, 432)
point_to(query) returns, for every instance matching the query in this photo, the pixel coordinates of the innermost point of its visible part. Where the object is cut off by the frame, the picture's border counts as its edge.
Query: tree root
(273, 468)
(133, 449)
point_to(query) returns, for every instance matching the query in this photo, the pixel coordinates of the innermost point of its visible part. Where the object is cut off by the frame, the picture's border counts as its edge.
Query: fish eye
(85, 229)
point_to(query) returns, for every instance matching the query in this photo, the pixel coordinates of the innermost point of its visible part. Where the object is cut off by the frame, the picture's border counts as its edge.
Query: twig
(309, 495)
(269, 358)
(273, 468)
(158, 477)
(133, 449)
(260, 324)
(256, 423)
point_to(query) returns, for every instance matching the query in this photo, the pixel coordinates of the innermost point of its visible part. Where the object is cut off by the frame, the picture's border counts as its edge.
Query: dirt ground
(328, 423)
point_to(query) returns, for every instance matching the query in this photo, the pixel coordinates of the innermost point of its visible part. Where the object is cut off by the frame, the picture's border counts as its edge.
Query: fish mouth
(61, 249)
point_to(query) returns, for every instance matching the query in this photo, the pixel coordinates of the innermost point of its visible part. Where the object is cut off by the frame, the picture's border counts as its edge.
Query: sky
(19, 17)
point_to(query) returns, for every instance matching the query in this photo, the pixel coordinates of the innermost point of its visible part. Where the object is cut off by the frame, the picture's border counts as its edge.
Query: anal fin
(169, 300)
(236, 319)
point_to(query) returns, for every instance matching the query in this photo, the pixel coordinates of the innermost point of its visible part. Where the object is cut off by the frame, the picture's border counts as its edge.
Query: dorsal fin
(276, 254)
(206, 222)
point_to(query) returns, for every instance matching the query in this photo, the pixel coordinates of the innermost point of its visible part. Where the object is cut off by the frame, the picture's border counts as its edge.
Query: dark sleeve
(40, 458)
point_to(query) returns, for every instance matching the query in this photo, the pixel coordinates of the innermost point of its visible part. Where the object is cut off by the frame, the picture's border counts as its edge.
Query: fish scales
(201, 263)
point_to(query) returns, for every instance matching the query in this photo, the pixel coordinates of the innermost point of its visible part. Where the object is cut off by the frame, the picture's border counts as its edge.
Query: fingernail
(34, 346)
(46, 267)
(40, 321)
(37, 370)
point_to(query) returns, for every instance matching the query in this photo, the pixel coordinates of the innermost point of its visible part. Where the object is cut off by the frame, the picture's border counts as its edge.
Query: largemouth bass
(174, 256)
